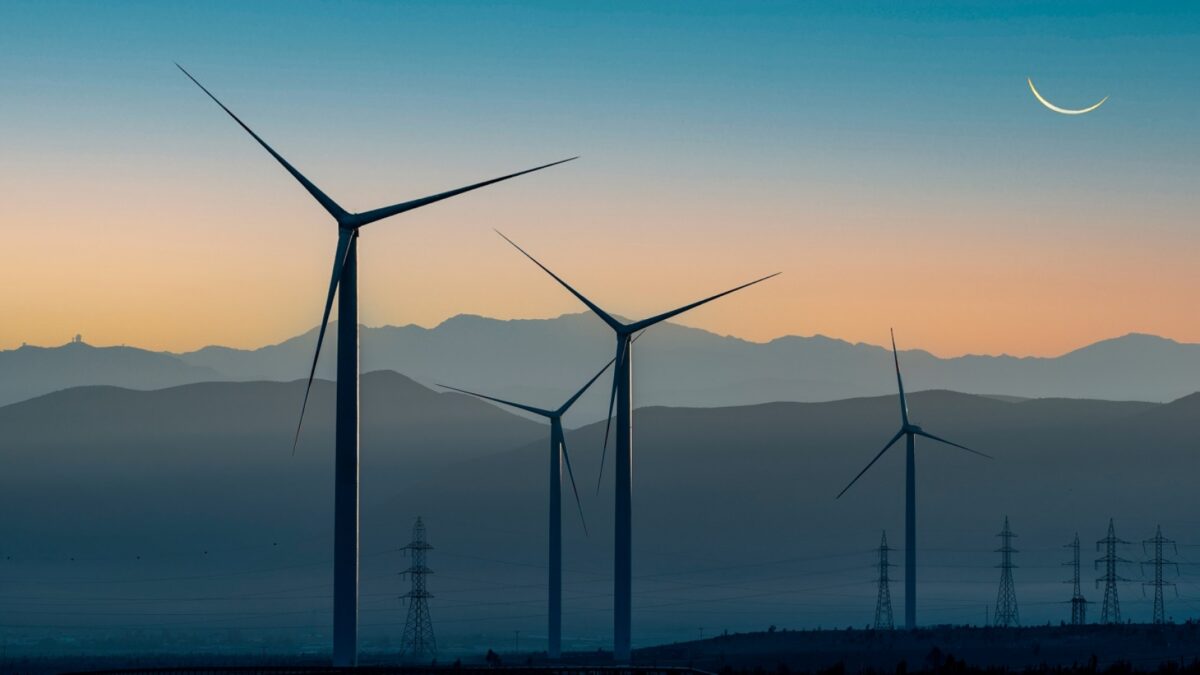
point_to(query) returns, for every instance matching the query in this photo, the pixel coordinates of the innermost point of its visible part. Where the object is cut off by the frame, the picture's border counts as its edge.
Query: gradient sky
(887, 157)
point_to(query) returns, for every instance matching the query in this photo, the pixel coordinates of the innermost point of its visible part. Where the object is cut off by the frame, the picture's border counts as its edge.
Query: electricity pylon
(1007, 614)
(883, 603)
(417, 643)
(1159, 562)
(1110, 611)
(1078, 602)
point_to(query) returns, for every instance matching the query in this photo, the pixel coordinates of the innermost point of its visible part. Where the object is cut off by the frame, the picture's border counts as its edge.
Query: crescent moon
(1057, 109)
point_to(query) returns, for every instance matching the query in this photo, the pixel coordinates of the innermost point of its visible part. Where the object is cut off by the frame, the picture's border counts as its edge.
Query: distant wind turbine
(910, 431)
(558, 456)
(622, 396)
(344, 283)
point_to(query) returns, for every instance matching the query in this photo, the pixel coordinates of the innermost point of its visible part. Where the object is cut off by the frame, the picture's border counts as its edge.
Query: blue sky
(793, 124)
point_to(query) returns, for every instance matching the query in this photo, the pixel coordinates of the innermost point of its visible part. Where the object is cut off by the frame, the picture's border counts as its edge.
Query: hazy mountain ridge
(30, 371)
(253, 421)
(736, 521)
(541, 361)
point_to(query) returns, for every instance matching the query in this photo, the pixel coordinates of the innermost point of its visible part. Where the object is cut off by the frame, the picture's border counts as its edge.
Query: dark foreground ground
(948, 650)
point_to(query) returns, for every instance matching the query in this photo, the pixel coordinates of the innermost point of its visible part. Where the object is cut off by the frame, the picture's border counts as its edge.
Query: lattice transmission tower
(1007, 614)
(883, 602)
(1078, 602)
(1159, 562)
(417, 643)
(1110, 611)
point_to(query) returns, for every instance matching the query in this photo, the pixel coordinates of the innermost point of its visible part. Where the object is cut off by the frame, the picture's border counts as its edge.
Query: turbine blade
(511, 404)
(345, 238)
(931, 437)
(899, 382)
(575, 397)
(368, 217)
(646, 323)
(868, 466)
(571, 473)
(323, 199)
(613, 323)
(612, 400)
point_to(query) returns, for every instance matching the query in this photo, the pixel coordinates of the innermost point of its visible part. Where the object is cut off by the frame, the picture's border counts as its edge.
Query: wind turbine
(909, 431)
(344, 283)
(558, 455)
(622, 396)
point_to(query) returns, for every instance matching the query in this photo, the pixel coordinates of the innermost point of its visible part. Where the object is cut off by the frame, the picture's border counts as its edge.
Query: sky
(887, 158)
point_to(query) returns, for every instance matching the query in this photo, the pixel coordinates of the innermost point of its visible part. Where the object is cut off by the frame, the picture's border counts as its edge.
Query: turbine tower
(1007, 615)
(909, 431)
(1078, 602)
(417, 643)
(883, 601)
(622, 397)
(1159, 562)
(1110, 611)
(558, 456)
(344, 283)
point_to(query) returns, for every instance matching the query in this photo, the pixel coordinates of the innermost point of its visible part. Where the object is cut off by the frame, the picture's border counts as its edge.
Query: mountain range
(182, 511)
(542, 361)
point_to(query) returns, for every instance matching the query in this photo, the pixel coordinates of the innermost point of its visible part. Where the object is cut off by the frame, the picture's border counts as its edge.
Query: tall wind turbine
(622, 396)
(344, 283)
(909, 431)
(558, 455)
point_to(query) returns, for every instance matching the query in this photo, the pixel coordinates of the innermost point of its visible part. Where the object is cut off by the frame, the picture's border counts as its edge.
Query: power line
(417, 642)
(1007, 614)
(1159, 562)
(1110, 612)
(883, 602)
(1078, 602)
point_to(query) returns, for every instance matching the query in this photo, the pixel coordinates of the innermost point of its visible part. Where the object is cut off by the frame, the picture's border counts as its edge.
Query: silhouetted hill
(96, 462)
(255, 421)
(1066, 649)
(195, 495)
(542, 361)
(737, 526)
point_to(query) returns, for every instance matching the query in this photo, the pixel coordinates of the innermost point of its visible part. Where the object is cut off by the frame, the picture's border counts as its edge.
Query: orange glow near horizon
(893, 165)
(234, 272)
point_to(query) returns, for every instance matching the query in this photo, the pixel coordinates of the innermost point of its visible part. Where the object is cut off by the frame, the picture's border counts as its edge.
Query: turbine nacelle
(622, 389)
(555, 417)
(626, 333)
(907, 428)
(348, 225)
(346, 481)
